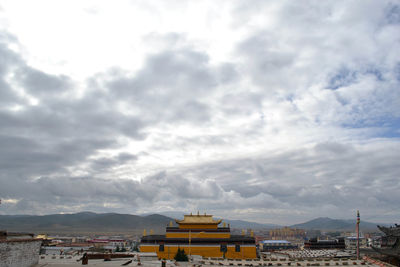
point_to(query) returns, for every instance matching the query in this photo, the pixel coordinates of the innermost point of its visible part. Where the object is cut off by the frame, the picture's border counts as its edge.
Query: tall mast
(358, 235)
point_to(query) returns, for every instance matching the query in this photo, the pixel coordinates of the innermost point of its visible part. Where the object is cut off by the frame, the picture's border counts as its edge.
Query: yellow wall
(198, 226)
(194, 235)
(248, 252)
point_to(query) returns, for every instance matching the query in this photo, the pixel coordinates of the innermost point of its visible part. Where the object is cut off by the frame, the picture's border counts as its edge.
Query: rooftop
(275, 241)
(61, 261)
(198, 219)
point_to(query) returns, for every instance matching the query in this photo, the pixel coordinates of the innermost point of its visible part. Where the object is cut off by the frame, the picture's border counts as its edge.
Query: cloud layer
(269, 111)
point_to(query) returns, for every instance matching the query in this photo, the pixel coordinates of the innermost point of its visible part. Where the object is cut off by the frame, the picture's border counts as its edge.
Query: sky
(267, 111)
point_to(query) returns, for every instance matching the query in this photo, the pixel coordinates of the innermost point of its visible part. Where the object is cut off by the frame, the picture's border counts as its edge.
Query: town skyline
(236, 222)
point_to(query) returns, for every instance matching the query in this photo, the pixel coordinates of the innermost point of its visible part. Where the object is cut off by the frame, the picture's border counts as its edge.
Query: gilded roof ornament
(198, 219)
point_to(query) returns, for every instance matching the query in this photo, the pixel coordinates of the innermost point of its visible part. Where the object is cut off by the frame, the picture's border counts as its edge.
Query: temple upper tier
(198, 221)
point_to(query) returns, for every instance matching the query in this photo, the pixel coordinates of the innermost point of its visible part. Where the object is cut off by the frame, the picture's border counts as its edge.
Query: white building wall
(19, 253)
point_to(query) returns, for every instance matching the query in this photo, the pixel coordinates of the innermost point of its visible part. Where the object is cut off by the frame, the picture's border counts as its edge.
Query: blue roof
(275, 242)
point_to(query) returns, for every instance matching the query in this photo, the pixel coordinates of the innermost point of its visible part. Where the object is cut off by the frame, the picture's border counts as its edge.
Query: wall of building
(198, 226)
(351, 242)
(286, 232)
(198, 235)
(19, 253)
(213, 251)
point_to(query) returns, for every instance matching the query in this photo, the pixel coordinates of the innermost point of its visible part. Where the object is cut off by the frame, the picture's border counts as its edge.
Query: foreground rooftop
(64, 261)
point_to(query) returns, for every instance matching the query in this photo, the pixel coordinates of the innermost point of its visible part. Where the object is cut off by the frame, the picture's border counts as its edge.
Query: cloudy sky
(270, 111)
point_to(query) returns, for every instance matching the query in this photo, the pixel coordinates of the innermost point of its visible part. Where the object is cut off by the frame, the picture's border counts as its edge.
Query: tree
(181, 255)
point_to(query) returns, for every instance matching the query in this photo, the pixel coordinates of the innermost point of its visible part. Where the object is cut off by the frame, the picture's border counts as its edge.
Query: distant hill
(172, 214)
(249, 225)
(89, 222)
(325, 223)
(84, 222)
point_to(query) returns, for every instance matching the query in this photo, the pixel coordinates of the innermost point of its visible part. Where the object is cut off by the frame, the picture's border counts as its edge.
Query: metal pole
(358, 235)
(190, 240)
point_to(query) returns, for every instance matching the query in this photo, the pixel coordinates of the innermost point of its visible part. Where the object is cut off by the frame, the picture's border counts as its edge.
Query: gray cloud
(58, 132)
(8, 61)
(329, 174)
(392, 13)
(173, 84)
(300, 120)
(41, 84)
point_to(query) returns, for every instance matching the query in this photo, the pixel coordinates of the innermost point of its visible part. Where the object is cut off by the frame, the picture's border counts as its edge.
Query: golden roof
(198, 219)
(44, 236)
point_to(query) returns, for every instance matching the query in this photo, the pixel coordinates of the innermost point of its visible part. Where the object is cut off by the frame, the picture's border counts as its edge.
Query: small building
(62, 239)
(351, 242)
(62, 249)
(99, 243)
(200, 235)
(314, 243)
(286, 233)
(374, 241)
(270, 245)
(110, 244)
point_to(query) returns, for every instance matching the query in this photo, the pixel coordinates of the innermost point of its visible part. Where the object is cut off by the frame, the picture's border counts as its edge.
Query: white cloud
(260, 108)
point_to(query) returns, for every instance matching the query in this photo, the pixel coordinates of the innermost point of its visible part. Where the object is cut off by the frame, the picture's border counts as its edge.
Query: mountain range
(89, 222)
(84, 222)
(325, 223)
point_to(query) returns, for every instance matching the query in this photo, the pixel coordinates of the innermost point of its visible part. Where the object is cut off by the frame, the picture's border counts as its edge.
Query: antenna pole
(358, 235)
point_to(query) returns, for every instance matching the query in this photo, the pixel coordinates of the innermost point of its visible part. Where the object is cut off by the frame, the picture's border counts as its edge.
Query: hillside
(85, 222)
(240, 224)
(325, 223)
(89, 222)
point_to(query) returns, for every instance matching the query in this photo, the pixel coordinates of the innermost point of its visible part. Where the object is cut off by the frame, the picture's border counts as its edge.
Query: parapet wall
(19, 253)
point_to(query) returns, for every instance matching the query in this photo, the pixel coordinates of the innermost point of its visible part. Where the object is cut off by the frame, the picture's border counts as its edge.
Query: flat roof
(275, 241)
(57, 261)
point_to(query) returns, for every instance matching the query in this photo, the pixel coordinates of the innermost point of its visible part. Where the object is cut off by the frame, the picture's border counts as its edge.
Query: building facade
(286, 233)
(200, 235)
(314, 243)
(351, 242)
(271, 245)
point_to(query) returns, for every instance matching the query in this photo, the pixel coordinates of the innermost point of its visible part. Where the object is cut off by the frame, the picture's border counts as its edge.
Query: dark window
(223, 248)
(237, 248)
(161, 248)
